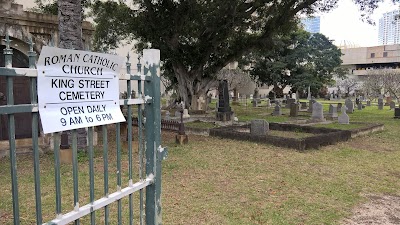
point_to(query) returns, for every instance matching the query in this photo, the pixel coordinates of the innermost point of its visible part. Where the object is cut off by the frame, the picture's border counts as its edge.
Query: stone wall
(21, 25)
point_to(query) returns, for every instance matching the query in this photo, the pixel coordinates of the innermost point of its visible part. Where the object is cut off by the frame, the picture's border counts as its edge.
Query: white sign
(77, 89)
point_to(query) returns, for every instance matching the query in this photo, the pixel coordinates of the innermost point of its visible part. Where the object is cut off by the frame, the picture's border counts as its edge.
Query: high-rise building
(389, 28)
(311, 24)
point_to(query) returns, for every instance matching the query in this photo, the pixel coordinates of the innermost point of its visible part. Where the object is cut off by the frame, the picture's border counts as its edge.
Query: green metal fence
(145, 183)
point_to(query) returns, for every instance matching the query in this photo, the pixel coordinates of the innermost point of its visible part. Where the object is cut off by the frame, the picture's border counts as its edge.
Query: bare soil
(382, 210)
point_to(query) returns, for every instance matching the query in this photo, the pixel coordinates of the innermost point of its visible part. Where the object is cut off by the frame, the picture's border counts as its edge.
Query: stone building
(21, 25)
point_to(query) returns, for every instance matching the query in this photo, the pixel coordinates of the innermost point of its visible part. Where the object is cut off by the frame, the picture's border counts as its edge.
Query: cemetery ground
(221, 181)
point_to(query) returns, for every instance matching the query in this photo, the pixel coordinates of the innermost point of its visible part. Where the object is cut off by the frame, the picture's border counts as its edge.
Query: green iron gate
(147, 181)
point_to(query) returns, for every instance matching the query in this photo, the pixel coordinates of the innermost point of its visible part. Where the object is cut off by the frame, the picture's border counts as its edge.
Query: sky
(343, 24)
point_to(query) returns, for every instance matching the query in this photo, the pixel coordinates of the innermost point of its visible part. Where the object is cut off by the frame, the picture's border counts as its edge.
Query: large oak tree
(197, 38)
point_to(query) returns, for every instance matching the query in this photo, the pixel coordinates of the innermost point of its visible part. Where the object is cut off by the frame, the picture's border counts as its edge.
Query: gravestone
(317, 113)
(392, 105)
(177, 114)
(380, 99)
(277, 110)
(397, 113)
(167, 115)
(256, 94)
(388, 100)
(289, 102)
(259, 127)
(339, 107)
(224, 112)
(294, 110)
(360, 106)
(344, 118)
(303, 105)
(368, 103)
(267, 102)
(254, 102)
(333, 111)
(310, 105)
(251, 96)
(349, 105)
(186, 113)
(201, 103)
(380, 103)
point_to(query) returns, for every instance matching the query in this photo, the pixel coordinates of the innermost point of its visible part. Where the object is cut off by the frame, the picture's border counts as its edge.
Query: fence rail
(172, 125)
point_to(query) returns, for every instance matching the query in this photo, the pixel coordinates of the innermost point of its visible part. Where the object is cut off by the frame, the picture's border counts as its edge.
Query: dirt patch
(383, 210)
(371, 145)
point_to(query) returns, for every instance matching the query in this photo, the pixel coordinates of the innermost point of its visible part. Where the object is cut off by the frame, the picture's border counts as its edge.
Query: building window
(384, 54)
(372, 55)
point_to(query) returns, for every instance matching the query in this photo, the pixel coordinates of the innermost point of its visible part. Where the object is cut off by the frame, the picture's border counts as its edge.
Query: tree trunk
(185, 85)
(189, 88)
(278, 91)
(70, 24)
(70, 34)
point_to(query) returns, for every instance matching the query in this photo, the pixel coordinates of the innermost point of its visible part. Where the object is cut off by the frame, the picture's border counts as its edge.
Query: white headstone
(186, 113)
(344, 118)
(200, 103)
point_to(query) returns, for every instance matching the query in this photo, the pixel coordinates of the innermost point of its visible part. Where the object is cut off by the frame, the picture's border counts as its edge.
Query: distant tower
(311, 24)
(389, 28)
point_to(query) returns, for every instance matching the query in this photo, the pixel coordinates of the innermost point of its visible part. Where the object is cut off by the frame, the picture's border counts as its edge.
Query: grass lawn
(220, 181)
